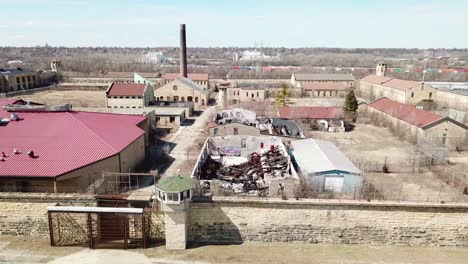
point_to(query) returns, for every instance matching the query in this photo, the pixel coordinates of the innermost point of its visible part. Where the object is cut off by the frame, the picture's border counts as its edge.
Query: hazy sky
(214, 23)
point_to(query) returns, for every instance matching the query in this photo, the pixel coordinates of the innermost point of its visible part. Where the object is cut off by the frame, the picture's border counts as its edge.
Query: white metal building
(324, 166)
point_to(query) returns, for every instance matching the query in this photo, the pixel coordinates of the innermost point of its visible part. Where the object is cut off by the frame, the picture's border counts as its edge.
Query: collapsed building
(255, 165)
(239, 121)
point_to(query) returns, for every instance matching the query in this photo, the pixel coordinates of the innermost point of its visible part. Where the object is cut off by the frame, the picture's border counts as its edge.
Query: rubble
(252, 176)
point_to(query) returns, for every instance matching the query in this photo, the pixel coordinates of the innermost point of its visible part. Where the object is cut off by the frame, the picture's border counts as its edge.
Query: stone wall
(26, 214)
(227, 220)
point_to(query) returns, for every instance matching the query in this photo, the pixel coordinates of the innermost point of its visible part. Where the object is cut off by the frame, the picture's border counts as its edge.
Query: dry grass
(77, 98)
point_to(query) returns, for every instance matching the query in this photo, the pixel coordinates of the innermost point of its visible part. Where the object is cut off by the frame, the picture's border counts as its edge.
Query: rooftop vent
(14, 116)
(2, 159)
(16, 151)
(31, 154)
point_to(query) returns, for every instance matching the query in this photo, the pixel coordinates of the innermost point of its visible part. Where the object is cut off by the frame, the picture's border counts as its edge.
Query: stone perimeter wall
(225, 220)
(26, 214)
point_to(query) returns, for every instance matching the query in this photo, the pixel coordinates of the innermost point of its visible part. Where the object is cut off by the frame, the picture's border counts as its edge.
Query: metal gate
(105, 227)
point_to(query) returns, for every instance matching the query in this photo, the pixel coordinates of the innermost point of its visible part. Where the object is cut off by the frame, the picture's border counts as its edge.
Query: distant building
(330, 119)
(313, 81)
(170, 118)
(325, 167)
(66, 151)
(202, 79)
(18, 79)
(417, 124)
(254, 55)
(153, 57)
(325, 89)
(183, 90)
(407, 92)
(129, 95)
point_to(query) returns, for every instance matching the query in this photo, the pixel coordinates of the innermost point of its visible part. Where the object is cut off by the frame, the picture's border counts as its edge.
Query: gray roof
(323, 77)
(192, 85)
(317, 156)
(290, 125)
(168, 111)
(13, 71)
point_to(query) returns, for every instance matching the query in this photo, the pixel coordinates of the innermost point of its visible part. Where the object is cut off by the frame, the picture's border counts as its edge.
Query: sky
(241, 23)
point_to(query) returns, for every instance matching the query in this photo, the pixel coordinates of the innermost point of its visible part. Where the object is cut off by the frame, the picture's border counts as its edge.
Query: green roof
(175, 184)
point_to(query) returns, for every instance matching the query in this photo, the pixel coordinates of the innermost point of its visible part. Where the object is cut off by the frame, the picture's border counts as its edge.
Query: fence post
(438, 197)
(419, 193)
(399, 194)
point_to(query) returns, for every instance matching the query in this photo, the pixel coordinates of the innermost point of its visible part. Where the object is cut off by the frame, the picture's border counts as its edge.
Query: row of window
(124, 106)
(126, 97)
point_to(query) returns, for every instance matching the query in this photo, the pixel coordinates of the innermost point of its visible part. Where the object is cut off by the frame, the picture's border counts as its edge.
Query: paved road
(185, 138)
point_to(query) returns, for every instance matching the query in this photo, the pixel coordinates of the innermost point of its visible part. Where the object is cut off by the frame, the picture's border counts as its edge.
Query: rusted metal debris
(251, 175)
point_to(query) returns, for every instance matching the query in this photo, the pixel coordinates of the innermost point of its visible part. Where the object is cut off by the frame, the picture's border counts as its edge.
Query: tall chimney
(183, 52)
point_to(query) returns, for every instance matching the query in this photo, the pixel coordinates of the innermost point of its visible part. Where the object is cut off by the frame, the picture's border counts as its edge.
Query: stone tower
(381, 69)
(56, 67)
(222, 97)
(175, 194)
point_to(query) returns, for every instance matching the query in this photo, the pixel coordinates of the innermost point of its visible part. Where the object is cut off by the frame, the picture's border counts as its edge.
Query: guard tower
(175, 194)
(381, 69)
(222, 97)
(56, 66)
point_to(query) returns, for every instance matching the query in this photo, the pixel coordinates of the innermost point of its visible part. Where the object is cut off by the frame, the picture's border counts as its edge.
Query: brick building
(129, 95)
(183, 90)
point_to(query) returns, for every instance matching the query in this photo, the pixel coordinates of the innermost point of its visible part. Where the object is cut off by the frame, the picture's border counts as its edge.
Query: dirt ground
(77, 98)
(26, 250)
(370, 147)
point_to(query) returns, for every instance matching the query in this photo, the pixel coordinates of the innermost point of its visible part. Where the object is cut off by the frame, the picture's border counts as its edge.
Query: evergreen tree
(282, 96)
(351, 104)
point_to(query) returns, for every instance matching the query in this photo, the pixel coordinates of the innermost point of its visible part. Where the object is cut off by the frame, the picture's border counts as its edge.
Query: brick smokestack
(183, 52)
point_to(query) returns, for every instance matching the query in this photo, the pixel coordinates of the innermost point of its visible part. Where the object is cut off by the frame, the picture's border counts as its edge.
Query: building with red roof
(129, 95)
(66, 151)
(419, 125)
(403, 91)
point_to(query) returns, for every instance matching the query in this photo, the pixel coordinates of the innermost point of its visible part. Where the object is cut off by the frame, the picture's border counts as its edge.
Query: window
(126, 97)
(215, 131)
(182, 99)
(190, 98)
(236, 131)
(121, 97)
(444, 139)
(29, 78)
(176, 98)
(133, 106)
(253, 95)
(243, 143)
(172, 119)
(246, 94)
(17, 79)
(174, 87)
(196, 99)
(34, 78)
(168, 98)
(133, 97)
(430, 95)
(23, 79)
(258, 94)
(412, 94)
(202, 101)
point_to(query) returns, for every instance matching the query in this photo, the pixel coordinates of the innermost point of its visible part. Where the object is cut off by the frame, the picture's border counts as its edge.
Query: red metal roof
(310, 112)
(126, 89)
(327, 86)
(407, 113)
(191, 76)
(391, 82)
(62, 141)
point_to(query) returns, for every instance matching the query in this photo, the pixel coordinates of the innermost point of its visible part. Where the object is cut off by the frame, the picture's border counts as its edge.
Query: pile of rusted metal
(252, 175)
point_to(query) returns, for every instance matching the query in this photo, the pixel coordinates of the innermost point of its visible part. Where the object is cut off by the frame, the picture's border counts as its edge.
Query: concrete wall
(452, 100)
(26, 214)
(228, 129)
(225, 220)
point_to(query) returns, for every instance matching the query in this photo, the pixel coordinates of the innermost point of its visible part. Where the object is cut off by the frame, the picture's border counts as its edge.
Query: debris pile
(252, 176)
